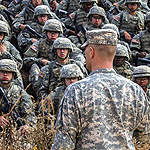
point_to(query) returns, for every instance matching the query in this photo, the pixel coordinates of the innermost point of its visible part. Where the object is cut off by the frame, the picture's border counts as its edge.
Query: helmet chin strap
(63, 58)
(5, 81)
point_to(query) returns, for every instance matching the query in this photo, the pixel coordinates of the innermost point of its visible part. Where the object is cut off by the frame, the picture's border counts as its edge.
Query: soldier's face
(62, 53)
(118, 60)
(42, 18)
(142, 81)
(69, 81)
(96, 20)
(5, 76)
(132, 6)
(1, 36)
(87, 6)
(36, 2)
(52, 35)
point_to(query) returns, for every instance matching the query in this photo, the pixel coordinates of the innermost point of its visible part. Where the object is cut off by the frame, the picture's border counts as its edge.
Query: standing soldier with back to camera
(131, 21)
(102, 111)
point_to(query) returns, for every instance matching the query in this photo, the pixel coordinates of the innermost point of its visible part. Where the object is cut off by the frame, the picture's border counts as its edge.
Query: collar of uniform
(106, 70)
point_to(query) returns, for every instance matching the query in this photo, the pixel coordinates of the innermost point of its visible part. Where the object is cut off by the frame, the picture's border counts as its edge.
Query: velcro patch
(135, 41)
(34, 48)
(41, 74)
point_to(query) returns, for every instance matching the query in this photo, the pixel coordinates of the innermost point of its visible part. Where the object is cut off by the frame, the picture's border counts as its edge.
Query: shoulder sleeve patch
(116, 18)
(34, 48)
(72, 15)
(41, 74)
(135, 41)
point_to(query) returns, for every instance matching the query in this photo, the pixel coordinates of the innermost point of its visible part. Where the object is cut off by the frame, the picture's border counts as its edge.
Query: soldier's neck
(132, 13)
(63, 62)
(4, 85)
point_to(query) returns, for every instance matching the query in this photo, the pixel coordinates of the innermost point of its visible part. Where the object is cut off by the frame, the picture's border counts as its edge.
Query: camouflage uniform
(49, 74)
(11, 52)
(99, 112)
(69, 5)
(126, 22)
(25, 16)
(80, 38)
(125, 69)
(25, 37)
(79, 16)
(67, 71)
(114, 27)
(13, 92)
(141, 41)
(142, 71)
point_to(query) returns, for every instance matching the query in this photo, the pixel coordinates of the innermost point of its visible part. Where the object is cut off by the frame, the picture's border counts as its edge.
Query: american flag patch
(71, 15)
(61, 2)
(116, 18)
(16, 1)
(34, 48)
(41, 74)
(135, 41)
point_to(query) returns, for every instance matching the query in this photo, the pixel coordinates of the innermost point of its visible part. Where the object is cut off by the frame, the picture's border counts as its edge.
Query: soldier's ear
(92, 52)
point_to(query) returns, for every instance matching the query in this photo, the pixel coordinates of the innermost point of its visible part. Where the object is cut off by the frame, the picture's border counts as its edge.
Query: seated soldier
(69, 74)
(16, 95)
(121, 64)
(141, 76)
(49, 74)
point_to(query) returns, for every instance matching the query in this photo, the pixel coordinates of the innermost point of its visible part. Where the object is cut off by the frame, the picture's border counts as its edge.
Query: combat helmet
(9, 65)
(53, 25)
(4, 27)
(42, 10)
(84, 1)
(95, 10)
(62, 42)
(141, 71)
(147, 17)
(122, 51)
(71, 71)
(113, 27)
(133, 1)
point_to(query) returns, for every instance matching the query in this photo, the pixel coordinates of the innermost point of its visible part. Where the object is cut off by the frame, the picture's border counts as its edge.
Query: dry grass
(41, 135)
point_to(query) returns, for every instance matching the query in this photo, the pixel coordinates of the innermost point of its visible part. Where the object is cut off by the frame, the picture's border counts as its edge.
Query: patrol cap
(101, 37)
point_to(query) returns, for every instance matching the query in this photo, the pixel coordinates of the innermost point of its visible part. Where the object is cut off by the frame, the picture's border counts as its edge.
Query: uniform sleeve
(67, 124)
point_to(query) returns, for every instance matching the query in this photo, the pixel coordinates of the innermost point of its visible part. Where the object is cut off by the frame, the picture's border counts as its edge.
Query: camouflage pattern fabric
(101, 106)
(24, 106)
(49, 77)
(132, 24)
(141, 42)
(125, 69)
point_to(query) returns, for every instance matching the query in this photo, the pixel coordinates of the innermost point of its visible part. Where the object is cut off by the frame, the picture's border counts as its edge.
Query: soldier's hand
(54, 5)
(44, 61)
(3, 122)
(24, 130)
(127, 36)
(22, 27)
(141, 55)
(34, 40)
(2, 48)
